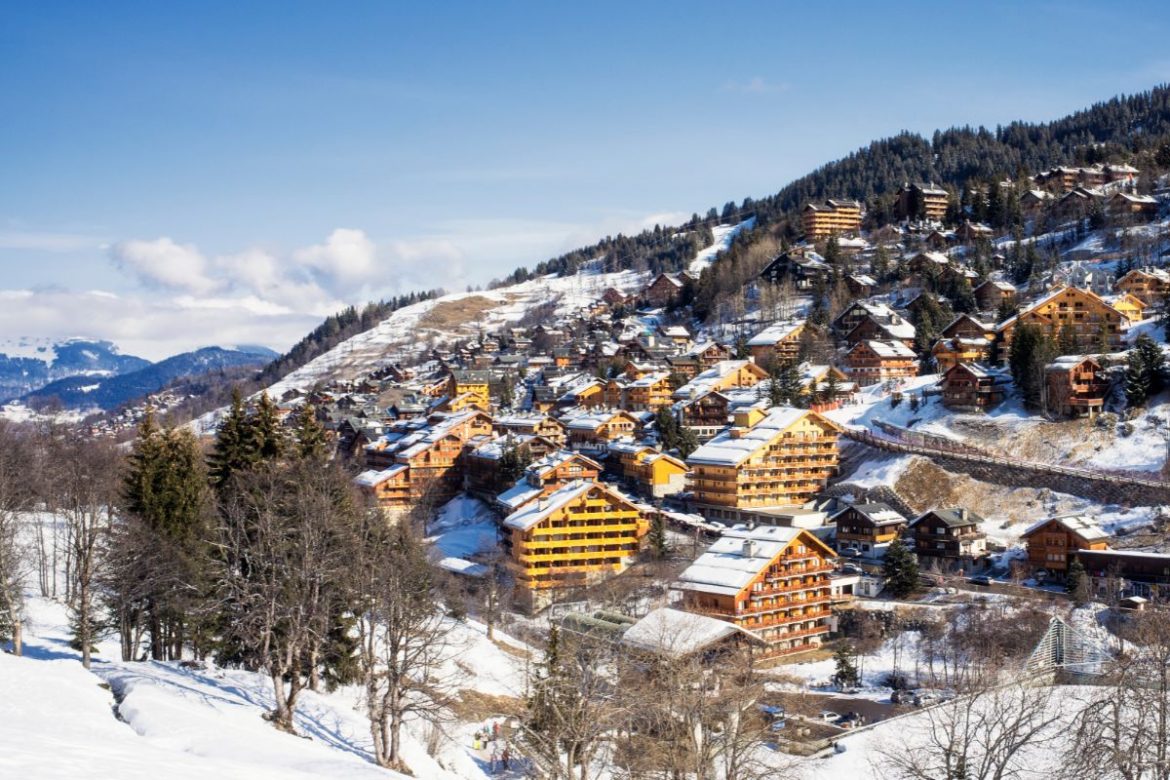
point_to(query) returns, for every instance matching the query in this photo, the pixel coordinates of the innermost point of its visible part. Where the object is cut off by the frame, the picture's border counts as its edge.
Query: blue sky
(231, 171)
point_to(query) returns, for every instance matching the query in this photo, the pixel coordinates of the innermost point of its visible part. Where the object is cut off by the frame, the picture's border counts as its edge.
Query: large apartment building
(821, 220)
(781, 456)
(772, 581)
(569, 539)
(921, 201)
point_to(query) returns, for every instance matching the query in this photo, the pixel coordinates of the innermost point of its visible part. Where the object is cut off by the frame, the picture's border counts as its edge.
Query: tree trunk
(17, 637)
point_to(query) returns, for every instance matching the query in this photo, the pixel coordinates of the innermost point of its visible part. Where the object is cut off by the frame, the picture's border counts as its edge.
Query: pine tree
(1031, 351)
(656, 538)
(233, 450)
(846, 674)
(165, 489)
(1076, 583)
(900, 569)
(1137, 380)
(310, 442)
(267, 435)
(832, 389)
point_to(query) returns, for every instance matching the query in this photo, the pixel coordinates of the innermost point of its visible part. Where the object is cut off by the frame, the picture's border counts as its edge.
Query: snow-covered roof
(463, 566)
(373, 477)
(736, 445)
(877, 513)
(676, 633)
(887, 349)
(774, 333)
(736, 558)
(1081, 525)
(708, 380)
(536, 512)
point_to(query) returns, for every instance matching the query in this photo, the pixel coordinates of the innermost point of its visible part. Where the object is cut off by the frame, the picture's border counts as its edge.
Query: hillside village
(783, 490)
(928, 397)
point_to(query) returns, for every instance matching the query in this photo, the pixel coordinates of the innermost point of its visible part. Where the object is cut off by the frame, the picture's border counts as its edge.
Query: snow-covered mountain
(28, 364)
(105, 393)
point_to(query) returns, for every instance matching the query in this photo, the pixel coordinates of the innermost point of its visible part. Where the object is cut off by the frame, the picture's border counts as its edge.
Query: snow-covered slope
(724, 235)
(27, 364)
(409, 330)
(148, 720)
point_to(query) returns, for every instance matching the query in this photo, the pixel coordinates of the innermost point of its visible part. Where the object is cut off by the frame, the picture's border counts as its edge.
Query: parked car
(851, 552)
(980, 579)
(828, 716)
(851, 568)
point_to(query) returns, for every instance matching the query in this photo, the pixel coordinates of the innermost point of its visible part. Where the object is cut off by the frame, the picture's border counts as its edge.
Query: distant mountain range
(85, 374)
(30, 364)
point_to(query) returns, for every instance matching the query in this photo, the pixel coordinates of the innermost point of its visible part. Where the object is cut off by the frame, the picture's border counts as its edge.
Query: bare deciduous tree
(1123, 732)
(990, 733)
(86, 490)
(403, 636)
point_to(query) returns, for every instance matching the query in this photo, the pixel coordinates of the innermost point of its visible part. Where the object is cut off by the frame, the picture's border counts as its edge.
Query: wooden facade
(1093, 324)
(781, 457)
(1074, 386)
(572, 538)
(875, 362)
(772, 581)
(1052, 543)
(821, 220)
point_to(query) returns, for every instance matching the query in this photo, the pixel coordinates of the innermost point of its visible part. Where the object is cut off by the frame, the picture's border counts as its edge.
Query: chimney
(749, 548)
(963, 514)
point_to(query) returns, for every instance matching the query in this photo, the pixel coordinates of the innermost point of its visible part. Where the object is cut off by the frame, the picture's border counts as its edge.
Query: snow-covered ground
(724, 235)
(149, 719)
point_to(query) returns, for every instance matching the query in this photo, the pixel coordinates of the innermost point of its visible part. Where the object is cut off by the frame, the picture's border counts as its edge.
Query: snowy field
(151, 719)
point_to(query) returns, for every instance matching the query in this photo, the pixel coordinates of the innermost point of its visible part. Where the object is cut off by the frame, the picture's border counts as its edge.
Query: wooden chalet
(1052, 543)
(799, 265)
(1122, 205)
(992, 293)
(666, 289)
(882, 327)
(1075, 386)
(968, 387)
(772, 581)
(921, 201)
(875, 362)
(532, 424)
(866, 526)
(947, 534)
(821, 220)
(593, 432)
(1149, 285)
(546, 475)
(574, 537)
(654, 473)
(1093, 324)
(777, 343)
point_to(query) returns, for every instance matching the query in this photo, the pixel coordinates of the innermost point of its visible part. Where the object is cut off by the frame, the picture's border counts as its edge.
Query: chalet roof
(706, 381)
(952, 518)
(886, 349)
(650, 379)
(864, 280)
(877, 513)
(731, 447)
(775, 333)
(998, 284)
(1081, 526)
(472, 377)
(538, 511)
(674, 633)
(373, 477)
(675, 331)
(736, 558)
(1131, 198)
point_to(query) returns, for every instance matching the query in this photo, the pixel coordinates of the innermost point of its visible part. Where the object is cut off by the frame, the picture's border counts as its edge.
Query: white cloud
(164, 264)
(347, 258)
(187, 298)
